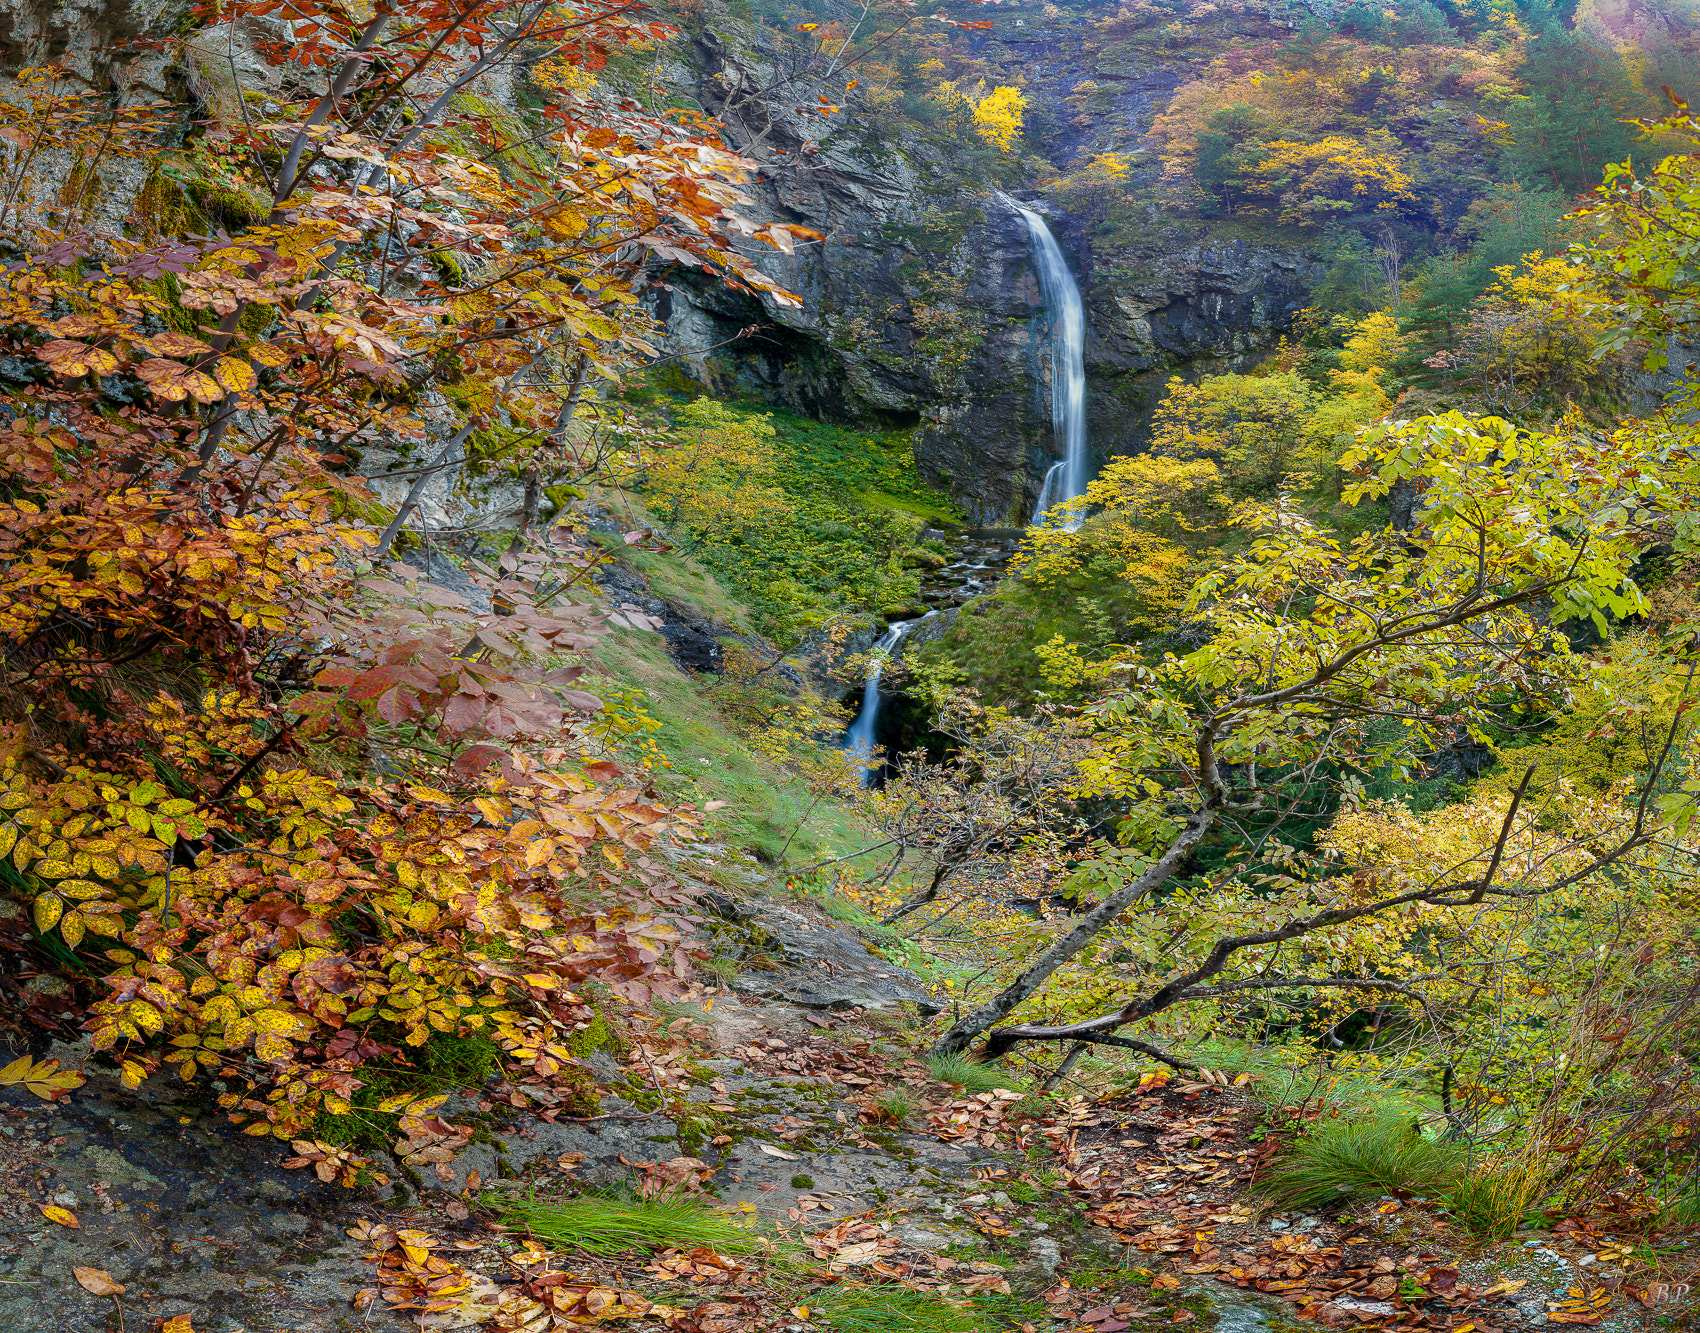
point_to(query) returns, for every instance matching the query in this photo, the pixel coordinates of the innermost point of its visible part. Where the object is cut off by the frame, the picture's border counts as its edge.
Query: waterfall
(1067, 476)
(859, 743)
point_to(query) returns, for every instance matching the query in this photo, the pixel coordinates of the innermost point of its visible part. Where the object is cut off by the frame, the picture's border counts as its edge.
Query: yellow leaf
(235, 374)
(71, 927)
(275, 1020)
(176, 1324)
(63, 1216)
(48, 910)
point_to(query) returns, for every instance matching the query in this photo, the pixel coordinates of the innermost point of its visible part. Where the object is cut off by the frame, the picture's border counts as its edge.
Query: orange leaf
(97, 1282)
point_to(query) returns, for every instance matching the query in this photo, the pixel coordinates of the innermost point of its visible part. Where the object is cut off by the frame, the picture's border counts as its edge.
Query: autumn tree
(1532, 335)
(1144, 519)
(201, 663)
(713, 468)
(997, 116)
(1315, 648)
(1336, 177)
(1252, 426)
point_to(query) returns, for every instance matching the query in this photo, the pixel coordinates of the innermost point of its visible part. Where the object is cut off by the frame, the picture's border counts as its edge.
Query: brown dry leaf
(97, 1282)
(63, 1216)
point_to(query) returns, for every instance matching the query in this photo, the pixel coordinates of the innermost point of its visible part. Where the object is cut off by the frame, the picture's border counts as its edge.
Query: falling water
(1067, 476)
(859, 740)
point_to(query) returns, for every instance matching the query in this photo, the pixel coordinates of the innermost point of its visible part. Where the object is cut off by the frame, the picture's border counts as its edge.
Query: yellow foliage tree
(1147, 516)
(1312, 183)
(1375, 344)
(714, 470)
(1266, 430)
(997, 116)
(1254, 427)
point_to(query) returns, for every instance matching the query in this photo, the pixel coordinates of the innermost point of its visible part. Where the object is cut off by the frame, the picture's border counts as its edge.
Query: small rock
(1000, 1197)
(1045, 1253)
(65, 1199)
(1277, 1224)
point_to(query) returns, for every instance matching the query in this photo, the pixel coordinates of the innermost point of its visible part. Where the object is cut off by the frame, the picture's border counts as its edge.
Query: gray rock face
(823, 967)
(921, 308)
(190, 1215)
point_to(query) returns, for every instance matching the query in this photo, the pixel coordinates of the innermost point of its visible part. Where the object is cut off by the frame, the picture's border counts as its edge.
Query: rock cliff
(920, 307)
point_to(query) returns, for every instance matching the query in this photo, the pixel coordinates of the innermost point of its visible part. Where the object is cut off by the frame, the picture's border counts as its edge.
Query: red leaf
(370, 684)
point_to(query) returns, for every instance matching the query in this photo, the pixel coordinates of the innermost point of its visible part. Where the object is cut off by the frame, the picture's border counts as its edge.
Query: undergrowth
(1375, 1154)
(896, 1310)
(970, 1073)
(606, 1226)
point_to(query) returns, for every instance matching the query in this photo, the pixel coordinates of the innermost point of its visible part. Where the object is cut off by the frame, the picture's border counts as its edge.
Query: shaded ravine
(860, 743)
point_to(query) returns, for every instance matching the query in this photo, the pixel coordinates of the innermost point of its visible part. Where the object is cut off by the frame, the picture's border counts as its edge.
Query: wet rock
(824, 967)
(912, 1171)
(692, 639)
(598, 1145)
(191, 1215)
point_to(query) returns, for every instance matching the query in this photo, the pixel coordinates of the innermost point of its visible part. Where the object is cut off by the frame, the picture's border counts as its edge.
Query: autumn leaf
(63, 1216)
(97, 1282)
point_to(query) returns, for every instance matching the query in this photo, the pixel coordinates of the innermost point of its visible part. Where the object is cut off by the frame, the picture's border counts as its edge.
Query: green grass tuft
(895, 1310)
(970, 1073)
(612, 1226)
(1496, 1197)
(896, 1105)
(1381, 1153)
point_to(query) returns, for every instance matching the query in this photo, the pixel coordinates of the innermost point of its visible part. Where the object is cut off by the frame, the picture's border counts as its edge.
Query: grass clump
(897, 1310)
(895, 1105)
(1496, 1197)
(1378, 1153)
(605, 1226)
(969, 1073)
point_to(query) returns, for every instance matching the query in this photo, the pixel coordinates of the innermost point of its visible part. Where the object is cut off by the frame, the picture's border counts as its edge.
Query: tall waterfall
(859, 742)
(1067, 476)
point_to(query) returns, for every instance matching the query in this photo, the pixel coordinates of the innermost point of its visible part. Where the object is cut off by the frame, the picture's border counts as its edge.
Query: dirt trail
(794, 1098)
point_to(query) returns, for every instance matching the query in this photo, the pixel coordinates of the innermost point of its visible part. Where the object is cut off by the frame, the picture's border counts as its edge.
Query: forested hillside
(1026, 667)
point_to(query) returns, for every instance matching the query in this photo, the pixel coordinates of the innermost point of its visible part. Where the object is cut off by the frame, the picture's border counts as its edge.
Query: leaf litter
(1164, 1169)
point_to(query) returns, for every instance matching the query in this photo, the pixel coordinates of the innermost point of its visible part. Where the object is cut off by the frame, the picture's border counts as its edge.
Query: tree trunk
(995, 1011)
(416, 490)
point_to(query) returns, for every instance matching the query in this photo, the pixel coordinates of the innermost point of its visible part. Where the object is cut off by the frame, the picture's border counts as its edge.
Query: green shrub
(1377, 1154)
(604, 1226)
(896, 1105)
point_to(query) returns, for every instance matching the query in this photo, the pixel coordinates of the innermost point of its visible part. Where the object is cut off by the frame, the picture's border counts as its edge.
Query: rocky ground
(795, 1098)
